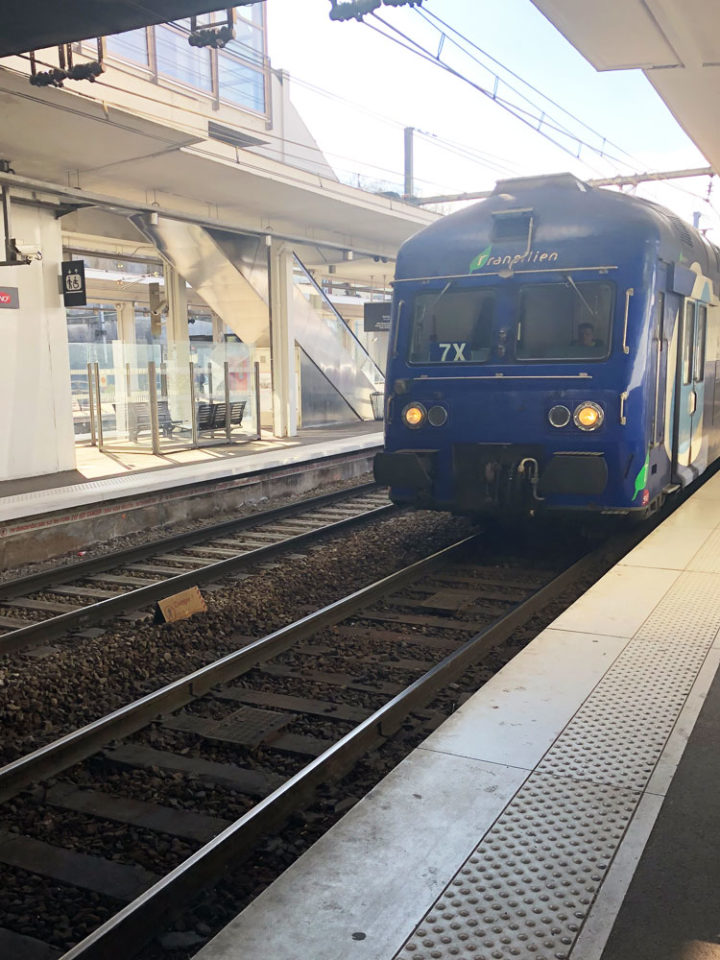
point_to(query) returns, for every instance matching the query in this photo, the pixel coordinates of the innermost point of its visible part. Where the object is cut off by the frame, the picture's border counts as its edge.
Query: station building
(225, 265)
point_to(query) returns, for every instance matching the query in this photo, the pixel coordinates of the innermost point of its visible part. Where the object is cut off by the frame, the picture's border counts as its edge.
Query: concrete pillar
(176, 295)
(282, 341)
(178, 345)
(218, 329)
(126, 322)
(36, 425)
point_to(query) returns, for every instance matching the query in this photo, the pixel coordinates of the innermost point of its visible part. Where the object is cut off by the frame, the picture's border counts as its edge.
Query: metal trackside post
(258, 423)
(152, 391)
(91, 404)
(193, 406)
(228, 424)
(98, 402)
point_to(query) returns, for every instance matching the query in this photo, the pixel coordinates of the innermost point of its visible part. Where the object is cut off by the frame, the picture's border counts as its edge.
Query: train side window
(688, 334)
(699, 371)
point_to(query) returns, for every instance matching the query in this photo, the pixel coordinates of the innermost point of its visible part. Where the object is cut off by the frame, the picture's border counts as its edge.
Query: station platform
(112, 494)
(567, 810)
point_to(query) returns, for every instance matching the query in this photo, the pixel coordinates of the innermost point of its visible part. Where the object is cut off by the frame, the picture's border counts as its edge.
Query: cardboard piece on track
(180, 606)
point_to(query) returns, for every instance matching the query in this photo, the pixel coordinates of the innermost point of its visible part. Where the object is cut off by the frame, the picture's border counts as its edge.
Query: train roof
(552, 220)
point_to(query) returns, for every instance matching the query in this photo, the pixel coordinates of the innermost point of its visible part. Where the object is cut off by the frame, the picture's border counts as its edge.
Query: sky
(356, 90)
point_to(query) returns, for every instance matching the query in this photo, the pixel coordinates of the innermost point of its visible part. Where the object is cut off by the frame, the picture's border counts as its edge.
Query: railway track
(44, 606)
(198, 771)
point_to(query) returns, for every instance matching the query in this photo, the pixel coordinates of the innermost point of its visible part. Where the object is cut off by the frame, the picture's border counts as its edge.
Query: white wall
(297, 146)
(36, 428)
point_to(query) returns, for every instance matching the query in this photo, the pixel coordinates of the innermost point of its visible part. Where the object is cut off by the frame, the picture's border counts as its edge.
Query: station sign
(377, 316)
(9, 298)
(73, 283)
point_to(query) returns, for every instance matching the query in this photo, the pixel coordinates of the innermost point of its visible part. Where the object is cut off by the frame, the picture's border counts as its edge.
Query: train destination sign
(9, 298)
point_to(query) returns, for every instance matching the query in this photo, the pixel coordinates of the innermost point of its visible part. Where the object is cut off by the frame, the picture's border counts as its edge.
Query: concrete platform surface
(104, 477)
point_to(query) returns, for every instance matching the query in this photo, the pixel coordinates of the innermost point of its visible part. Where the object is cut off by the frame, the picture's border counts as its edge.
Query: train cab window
(453, 326)
(699, 361)
(565, 321)
(687, 346)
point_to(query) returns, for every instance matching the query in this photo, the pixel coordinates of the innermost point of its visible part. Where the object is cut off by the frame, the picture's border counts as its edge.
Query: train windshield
(564, 321)
(453, 326)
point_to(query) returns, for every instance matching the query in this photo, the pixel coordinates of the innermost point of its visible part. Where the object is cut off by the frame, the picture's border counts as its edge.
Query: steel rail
(45, 630)
(21, 586)
(54, 757)
(126, 932)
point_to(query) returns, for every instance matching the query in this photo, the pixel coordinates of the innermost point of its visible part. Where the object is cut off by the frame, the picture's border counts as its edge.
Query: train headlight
(588, 416)
(437, 416)
(414, 415)
(559, 415)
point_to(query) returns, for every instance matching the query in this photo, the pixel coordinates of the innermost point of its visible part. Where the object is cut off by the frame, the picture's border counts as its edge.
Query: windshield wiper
(582, 298)
(440, 295)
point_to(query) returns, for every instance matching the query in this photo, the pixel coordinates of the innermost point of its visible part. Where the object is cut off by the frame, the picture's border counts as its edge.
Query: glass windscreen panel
(564, 321)
(241, 84)
(177, 59)
(453, 326)
(130, 46)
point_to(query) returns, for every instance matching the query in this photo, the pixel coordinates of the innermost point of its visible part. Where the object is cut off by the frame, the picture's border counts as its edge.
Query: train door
(660, 346)
(689, 382)
(698, 375)
(684, 393)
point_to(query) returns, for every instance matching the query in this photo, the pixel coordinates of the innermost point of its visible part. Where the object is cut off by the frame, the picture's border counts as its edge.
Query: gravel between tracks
(83, 678)
(166, 530)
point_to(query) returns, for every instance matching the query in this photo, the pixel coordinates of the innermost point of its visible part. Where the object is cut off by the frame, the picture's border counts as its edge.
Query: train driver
(587, 344)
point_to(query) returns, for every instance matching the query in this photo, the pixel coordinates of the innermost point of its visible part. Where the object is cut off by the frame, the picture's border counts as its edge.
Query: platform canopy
(675, 42)
(35, 24)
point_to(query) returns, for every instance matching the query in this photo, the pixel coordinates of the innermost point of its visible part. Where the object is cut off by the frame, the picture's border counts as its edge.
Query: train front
(509, 369)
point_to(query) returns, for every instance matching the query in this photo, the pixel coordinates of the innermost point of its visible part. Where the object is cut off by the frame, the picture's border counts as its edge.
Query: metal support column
(91, 402)
(258, 421)
(226, 380)
(152, 393)
(98, 404)
(193, 405)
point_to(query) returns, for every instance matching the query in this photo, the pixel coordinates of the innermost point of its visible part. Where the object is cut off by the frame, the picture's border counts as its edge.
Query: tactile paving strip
(525, 890)
(688, 613)
(528, 886)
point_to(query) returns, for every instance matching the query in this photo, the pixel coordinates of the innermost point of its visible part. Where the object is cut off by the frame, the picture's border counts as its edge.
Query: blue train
(552, 348)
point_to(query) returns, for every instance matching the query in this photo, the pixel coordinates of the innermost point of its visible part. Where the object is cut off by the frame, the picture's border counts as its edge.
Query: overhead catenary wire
(441, 141)
(519, 113)
(426, 14)
(467, 152)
